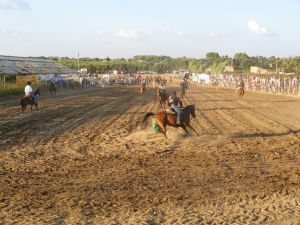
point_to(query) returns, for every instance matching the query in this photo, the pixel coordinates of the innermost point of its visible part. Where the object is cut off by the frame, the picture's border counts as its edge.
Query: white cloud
(9, 33)
(217, 34)
(258, 29)
(14, 4)
(128, 34)
(146, 32)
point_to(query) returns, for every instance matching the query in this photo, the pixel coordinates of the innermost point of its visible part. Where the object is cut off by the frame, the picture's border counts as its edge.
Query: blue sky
(124, 28)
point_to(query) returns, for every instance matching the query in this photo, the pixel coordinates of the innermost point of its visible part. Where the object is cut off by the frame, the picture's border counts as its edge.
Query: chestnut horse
(240, 92)
(164, 118)
(28, 101)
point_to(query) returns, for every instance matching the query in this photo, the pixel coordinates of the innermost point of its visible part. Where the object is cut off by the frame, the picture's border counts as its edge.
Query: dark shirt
(177, 102)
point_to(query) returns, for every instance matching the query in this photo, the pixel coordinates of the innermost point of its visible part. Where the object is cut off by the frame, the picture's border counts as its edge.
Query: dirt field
(84, 158)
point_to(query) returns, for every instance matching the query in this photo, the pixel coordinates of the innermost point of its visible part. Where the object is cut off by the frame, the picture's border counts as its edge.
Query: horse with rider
(143, 90)
(161, 96)
(183, 86)
(241, 88)
(52, 87)
(30, 97)
(176, 117)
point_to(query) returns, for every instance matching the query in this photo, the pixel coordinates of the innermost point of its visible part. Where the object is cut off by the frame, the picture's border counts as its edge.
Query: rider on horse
(241, 85)
(174, 103)
(183, 84)
(162, 91)
(29, 93)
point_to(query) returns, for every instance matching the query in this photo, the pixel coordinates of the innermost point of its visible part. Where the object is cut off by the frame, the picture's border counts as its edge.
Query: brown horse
(27, 100)
(183, 87)
(162, 98)
(240, 92)
(52, 88)
(163, 119)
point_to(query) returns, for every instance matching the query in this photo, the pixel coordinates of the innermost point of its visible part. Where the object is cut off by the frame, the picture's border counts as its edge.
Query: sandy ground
(84, 158)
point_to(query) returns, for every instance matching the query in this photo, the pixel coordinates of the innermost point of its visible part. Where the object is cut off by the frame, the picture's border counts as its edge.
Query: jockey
(29, 92)
(162, 91)
(241, 85)
(177, 101)
(183, 84)
(173, 103)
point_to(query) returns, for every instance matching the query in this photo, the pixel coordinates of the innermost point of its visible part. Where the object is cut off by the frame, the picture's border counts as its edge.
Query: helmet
(28, 82)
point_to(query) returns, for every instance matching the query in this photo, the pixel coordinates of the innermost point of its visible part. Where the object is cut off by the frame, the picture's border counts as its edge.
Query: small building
(258, 70)
(31, 68)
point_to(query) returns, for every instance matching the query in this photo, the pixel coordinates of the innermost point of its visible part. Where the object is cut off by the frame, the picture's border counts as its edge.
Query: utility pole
(78, 62)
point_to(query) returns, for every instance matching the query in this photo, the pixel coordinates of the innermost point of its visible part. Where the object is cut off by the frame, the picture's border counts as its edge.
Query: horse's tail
(147, 116)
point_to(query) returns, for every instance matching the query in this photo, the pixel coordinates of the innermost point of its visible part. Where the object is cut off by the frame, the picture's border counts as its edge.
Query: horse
(52, 88)
(162, 98)
(240, 92)
(27, 100)
(164, 118)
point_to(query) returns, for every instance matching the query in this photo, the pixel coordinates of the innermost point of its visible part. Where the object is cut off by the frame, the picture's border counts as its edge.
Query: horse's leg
(184, 128)
(36, 106)
(193, 129)
(31, 107)
(163, 127)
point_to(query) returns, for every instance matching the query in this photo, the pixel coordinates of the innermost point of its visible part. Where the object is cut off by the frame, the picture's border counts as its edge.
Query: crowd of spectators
(270, 84)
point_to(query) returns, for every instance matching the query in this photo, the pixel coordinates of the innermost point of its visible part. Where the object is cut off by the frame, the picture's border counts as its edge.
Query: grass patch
(7, 91)
(12, 89)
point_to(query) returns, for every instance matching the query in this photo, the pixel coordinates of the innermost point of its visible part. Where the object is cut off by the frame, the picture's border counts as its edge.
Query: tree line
(213, 63)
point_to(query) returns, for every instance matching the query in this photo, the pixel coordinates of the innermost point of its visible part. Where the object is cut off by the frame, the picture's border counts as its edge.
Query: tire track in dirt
(268, 113)
(242, 117)
(63, 115)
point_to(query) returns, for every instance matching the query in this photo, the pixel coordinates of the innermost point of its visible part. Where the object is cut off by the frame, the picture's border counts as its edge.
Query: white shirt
(28, 90)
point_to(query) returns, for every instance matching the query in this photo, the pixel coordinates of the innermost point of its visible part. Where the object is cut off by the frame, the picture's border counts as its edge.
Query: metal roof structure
(12, 65)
